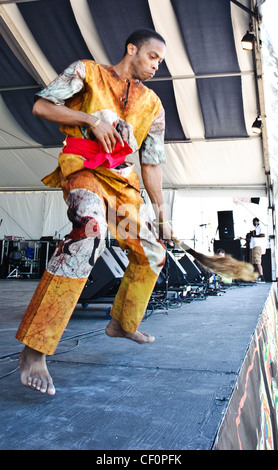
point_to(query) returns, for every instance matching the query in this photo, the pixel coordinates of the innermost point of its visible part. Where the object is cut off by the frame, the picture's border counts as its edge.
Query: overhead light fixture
(257, 126)
(247, 41)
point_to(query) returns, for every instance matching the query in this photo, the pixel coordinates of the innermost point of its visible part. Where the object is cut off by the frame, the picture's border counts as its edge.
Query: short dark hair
(256, 219)
(142, 36)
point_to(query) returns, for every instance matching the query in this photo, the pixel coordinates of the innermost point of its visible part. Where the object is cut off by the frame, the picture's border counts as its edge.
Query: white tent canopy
(233, 161)
(212, 93)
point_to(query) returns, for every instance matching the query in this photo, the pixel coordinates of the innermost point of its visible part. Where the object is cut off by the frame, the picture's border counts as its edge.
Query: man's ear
(131, 49)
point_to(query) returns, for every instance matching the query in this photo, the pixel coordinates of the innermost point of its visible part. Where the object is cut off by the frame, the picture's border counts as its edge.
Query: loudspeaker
(231, 247)
(176, 273)
(161, 281)
(119, 256)
(46, 250)
(104, 279)
(266, 265)
(193, 273)
(226, 225)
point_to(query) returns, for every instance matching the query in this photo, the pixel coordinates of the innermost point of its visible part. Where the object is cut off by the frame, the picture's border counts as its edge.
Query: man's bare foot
(33, 371)
(114, 329)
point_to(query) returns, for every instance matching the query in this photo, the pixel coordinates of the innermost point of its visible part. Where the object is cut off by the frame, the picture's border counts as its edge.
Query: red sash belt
(95, 154)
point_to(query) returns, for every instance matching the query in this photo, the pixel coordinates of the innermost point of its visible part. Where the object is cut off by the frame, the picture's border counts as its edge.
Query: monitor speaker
(119, 256)
(176, 273)
(104, 279)
(226, 225)
(193, 273)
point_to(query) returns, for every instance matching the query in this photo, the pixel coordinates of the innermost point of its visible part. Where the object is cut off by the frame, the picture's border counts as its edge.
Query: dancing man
(106, 113)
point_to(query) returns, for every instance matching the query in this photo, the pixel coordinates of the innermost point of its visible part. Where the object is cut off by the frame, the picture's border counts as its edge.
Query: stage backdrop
(250, 422)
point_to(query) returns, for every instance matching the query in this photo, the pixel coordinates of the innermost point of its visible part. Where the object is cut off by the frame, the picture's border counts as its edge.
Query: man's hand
(107, 135)
(104, 131)
(152, 179)
(165, 233)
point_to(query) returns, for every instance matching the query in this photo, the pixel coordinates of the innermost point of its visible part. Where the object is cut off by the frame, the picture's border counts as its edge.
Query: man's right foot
(33, 371)
(115, 330)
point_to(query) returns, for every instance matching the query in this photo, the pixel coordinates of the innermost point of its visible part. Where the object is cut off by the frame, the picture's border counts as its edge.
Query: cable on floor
(80, 337)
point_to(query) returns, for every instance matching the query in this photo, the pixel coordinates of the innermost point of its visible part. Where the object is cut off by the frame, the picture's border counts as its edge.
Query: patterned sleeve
(64, 86)
(152, 149)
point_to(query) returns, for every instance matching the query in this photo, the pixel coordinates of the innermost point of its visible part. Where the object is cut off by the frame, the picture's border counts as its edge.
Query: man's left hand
(166, 233)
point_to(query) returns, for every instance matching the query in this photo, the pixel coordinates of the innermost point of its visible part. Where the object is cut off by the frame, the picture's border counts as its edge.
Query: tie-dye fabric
(97, 200)
(134, 109)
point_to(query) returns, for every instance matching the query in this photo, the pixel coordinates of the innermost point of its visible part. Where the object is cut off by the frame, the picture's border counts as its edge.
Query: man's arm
(152, 179)
(152, 154)
(257, 233)
(61, 114)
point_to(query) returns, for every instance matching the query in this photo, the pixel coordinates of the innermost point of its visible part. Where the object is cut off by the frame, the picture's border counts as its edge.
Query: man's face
(146, 60)
(255, 223)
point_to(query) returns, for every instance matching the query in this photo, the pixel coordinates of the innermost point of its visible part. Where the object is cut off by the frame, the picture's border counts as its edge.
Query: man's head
(142, 36)
(256, 221)
(145, 50)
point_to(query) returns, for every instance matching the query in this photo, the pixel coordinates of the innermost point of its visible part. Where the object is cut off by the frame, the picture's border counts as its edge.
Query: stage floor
(113, 394)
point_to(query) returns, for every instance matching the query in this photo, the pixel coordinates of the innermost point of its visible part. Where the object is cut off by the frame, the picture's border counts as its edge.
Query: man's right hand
(107, 135)
(104, 131)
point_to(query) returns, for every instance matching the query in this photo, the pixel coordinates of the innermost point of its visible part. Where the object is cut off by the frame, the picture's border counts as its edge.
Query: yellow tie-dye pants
(97, 199)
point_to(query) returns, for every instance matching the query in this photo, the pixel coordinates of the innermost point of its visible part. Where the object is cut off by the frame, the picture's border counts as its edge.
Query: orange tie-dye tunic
(133, 108)
(98, 200)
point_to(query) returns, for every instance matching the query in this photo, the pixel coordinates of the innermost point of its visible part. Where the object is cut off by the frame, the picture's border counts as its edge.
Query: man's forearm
(62, 114)
(152, 179)
(103, 131)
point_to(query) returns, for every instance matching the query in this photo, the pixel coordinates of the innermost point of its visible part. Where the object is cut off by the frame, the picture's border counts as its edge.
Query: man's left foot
(33, 371)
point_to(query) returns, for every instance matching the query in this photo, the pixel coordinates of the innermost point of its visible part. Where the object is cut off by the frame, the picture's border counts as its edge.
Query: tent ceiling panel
(222, 106)
(20, 39)
(20, 104)
(26, 167)
(12, 72)
(59, 29)
(208, 35)
(214, 163)
(207, 83)
(10, 129)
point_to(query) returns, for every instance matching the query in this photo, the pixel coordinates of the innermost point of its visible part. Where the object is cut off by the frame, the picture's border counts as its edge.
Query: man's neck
(123, 70)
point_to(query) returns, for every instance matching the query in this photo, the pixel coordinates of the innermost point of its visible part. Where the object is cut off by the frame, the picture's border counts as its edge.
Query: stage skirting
(251, 419)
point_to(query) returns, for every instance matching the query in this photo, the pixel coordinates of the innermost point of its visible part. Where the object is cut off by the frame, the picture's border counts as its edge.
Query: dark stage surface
(113, 394)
